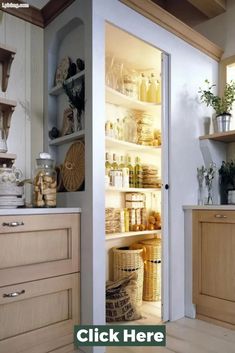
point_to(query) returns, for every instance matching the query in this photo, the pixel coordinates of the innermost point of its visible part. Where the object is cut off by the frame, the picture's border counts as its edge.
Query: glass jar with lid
(44, 182)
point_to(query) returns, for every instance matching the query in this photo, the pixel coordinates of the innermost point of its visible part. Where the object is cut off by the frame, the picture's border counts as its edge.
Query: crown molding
(163, 18)
(40, 18)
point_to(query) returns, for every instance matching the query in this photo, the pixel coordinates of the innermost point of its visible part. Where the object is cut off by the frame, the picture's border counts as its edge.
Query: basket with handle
(127, 261)
(152, 269)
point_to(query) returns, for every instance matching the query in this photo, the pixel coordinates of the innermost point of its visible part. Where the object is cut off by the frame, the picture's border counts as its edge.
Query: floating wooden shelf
(6, 57)
(7, 107)
(227, 137)
(7, 156)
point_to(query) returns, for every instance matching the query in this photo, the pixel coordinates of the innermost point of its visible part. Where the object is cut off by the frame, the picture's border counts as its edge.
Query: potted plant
(221, 105)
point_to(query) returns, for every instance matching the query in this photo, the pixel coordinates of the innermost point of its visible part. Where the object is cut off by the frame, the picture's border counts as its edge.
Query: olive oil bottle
(138, 173)
(131, 173)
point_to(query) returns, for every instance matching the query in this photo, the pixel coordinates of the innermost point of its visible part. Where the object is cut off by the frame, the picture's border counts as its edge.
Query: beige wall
(26, 87)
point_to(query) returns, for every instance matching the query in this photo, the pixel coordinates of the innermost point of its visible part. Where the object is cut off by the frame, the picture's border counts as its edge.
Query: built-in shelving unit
(117, 98)
(7, 107)
(57, 90)
(67, 138)
(113, 236)
(113, 188)
(7, 55)
(129, 146)
(228, 136)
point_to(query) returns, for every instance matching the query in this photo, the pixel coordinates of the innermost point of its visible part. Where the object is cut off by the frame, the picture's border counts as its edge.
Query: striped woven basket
(127, 261)
(152, 269)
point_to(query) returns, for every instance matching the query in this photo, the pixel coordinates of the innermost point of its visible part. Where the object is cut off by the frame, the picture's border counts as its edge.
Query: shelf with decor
(112, 236)
(67, 138)
(57, 90)
(228, 136)
(129, 146)
(7, 55)
(117, 98)
(7, 108)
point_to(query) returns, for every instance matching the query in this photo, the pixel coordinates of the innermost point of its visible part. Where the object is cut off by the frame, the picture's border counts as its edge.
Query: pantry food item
(113, 220)
(45, 182)
(120, 300)
(154, 220)
(150, 177)
(145, 134)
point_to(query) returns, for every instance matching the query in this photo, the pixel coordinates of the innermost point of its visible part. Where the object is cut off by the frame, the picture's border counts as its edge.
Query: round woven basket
(125, 262)
(152, 269)
(73, 170)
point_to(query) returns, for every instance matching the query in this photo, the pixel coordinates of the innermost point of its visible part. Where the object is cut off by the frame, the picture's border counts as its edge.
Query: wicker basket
(73, 170)
(125, 262)
(152, 269)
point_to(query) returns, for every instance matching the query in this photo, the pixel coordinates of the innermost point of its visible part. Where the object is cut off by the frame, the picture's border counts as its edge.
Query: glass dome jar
(44, 182)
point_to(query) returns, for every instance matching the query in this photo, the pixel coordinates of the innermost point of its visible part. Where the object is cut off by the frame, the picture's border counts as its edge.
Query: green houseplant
(221, 105)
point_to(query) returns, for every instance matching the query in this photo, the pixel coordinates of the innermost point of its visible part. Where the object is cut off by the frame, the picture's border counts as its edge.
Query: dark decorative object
(72, 70)
(76, 95)
(80, 64)
(54, 133)
(227, 180)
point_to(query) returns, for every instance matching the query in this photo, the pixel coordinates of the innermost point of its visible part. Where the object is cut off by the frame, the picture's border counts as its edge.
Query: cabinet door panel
(40, 246)
(41, 317)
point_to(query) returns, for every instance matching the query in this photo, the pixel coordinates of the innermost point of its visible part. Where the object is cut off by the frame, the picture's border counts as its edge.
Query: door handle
(13, 294)
(220, 216)
(12, 224)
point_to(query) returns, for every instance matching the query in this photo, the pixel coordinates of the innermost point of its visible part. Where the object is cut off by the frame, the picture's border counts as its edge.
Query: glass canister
(44, 182)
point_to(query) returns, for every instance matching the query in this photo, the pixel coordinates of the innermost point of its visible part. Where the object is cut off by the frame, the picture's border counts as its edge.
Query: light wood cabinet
(214, 266)
(39, 282)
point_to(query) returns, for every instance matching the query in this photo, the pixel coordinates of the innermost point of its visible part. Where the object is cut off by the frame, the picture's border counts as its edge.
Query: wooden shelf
(117, 98)
(129, 146)
(7, 107)
(113, 236)
(7, 156)
(57, 90)
(227, 137)
(112, 188)
(6, 57)
(67, 138)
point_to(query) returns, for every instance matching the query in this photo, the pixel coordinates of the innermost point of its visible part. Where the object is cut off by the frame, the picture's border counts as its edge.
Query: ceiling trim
(163, 18)
(210, 8)
(39, 17)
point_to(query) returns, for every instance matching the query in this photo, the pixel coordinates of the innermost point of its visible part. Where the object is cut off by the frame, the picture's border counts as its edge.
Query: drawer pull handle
(220, 216)
(12, 224)
(14, 294)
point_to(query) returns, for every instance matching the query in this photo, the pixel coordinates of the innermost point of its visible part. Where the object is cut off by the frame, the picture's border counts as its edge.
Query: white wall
(221, 29)
(26, 87)
(188, 70)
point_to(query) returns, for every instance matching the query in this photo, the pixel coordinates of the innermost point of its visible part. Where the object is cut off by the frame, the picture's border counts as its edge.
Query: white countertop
(209, 207)
(29, 211)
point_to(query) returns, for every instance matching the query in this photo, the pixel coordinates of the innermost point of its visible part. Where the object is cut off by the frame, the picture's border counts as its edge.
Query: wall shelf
(67, 138)
(117, 98)
(57, 90)
(113, 236)
(112, 188)
(6, 57)
(7, 108)
(227, 137)
(129, 146)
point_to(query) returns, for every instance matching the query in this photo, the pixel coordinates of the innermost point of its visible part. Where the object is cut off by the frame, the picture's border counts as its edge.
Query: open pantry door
(165, 288)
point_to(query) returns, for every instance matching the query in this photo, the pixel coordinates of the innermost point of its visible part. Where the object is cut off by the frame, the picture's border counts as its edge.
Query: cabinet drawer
(42, 317)
(40, 246)
(215, 216)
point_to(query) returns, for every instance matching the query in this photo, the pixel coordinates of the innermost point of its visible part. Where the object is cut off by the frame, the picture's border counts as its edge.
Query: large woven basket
(73, 170)
(152, 269)
(125, 262)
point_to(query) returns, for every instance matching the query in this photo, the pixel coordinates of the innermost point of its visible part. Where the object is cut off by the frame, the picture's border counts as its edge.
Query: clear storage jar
(44, 182)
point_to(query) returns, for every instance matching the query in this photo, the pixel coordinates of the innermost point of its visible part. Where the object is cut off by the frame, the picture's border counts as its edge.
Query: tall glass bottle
(115, 163)
(138, 173)
(152, 90)
(108, 164)
(131, 173)
(122, 163)
(143, 88)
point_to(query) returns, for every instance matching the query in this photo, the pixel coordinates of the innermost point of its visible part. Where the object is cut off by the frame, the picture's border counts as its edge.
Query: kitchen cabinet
(39, 281)
(214, 265)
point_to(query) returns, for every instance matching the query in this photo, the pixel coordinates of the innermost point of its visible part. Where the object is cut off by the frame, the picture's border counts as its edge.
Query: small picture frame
(68, 122)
